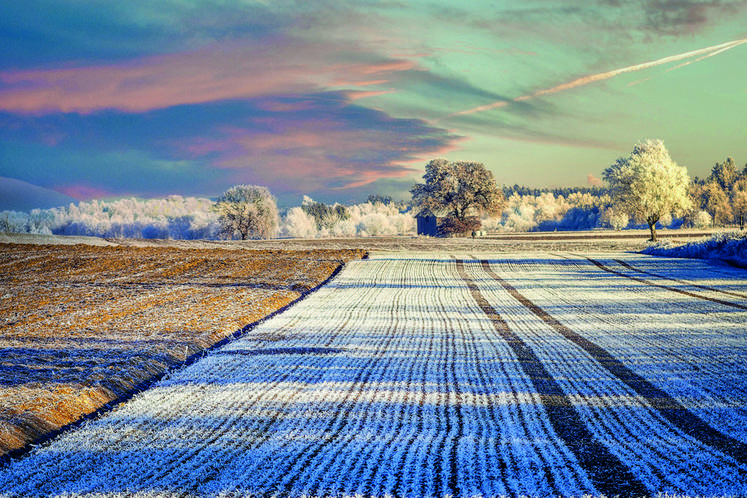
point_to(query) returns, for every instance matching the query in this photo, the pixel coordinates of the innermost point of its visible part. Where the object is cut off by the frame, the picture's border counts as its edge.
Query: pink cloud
(368, 177)
(313, 154)
(594, 181)
(359, 83)
(443, 150)
(388, 66)
(83, 192)
(357, 95)
(280, 106)
(211, 74)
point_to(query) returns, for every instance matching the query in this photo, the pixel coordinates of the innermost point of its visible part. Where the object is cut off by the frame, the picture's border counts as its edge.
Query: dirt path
(465, 374)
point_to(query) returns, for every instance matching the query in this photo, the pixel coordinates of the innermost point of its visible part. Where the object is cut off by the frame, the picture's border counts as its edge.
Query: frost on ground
(82, 326)
(445, 375)
(730, 247)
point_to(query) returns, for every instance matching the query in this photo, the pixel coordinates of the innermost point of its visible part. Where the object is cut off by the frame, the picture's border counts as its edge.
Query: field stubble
(82, 326)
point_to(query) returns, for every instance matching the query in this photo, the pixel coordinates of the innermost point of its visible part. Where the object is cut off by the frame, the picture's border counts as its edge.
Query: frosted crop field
(84, 326)
(466, 374)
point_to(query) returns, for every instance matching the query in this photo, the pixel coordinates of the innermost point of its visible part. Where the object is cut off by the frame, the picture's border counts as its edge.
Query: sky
(338, 99)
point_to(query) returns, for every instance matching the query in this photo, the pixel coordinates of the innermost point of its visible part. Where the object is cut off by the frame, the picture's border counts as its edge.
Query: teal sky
(339, 99)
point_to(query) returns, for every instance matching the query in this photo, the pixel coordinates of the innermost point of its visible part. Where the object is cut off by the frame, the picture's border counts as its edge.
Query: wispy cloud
(708, 51)
(294, 144)
(330, 145)
(357, 95)
(220, 72)
(675, 17)
(83, 192)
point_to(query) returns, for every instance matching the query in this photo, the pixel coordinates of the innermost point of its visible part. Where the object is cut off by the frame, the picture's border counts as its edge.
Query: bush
(451, 226)
(702, 220)
(362, 220)
(730, 247)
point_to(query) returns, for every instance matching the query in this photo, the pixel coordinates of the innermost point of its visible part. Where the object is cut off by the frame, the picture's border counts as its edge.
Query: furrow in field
(680, 281)
(662, 326)
(607, 473)
(400, 420)
(670, 408)
(529, 456)
(660, 438)
(318, 412)
(692, 348)
(305, 406)
(684, 292)
(338, 433)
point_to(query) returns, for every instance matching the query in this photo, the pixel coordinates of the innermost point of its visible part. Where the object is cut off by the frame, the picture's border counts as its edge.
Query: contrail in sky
(708, 51)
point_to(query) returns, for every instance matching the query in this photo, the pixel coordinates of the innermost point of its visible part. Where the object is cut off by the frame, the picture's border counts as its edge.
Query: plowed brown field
(84, 326)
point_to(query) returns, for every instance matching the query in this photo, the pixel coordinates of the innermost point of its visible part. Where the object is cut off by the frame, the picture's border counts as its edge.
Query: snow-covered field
(464, 374)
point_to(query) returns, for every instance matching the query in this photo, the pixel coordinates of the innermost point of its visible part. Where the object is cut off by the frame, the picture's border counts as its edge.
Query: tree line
(646, 187)
(723, 194)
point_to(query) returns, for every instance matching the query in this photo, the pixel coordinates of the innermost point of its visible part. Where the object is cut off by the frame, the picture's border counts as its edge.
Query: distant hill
(17, 195)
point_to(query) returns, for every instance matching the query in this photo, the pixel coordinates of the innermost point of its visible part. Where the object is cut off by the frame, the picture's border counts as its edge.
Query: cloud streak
(708, 51)
(294, 144)
(329, 143)
(222, 72)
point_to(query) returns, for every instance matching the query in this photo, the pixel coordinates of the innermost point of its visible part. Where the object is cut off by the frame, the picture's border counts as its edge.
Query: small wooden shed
(427, 225)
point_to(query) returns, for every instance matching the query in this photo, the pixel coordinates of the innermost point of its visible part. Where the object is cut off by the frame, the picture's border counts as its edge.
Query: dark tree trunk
(652, 227)
(652, 220)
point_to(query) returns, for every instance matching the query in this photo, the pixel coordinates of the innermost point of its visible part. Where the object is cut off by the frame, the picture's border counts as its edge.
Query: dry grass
(82, 326)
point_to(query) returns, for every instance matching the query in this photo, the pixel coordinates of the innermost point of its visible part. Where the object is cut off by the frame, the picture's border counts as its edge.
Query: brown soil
(82, 326)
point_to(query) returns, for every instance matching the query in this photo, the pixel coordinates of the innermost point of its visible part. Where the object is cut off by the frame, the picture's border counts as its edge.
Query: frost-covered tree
(324, 215)
(702, 219)
(361, 220)
(174, 217)
(648, 183)
(298, 223)
(460, 189)
(739, 201)
(380, 199)
(247, 212)
(717, 203)
(725, 174)
(615, 218)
